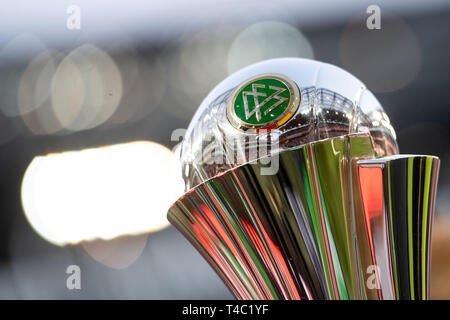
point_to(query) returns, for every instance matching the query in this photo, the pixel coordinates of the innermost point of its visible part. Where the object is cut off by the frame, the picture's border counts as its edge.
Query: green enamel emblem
(263, 102)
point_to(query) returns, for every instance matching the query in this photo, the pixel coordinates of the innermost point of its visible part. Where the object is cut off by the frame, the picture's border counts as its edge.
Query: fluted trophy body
(295, 189)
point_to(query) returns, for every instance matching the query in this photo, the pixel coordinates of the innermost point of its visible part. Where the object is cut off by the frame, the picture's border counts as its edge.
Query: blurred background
(95, 94)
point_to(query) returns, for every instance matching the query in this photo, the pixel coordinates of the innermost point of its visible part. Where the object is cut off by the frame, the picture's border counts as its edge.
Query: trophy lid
(275, 105)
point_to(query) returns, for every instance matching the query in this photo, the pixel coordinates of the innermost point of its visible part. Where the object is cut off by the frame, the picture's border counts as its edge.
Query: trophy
(295, 188)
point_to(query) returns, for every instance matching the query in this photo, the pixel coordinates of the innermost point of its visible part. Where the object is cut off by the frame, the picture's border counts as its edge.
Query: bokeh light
(385, 60)
(101, 193)
(439, 258)
(144, 85)
(195, 67)
(86, 88)
(267, 40)
(118, 253)
(34, 85)
(13, 55)
(33, 94)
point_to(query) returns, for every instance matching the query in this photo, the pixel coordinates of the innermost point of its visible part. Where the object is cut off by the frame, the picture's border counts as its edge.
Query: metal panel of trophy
(295, 188)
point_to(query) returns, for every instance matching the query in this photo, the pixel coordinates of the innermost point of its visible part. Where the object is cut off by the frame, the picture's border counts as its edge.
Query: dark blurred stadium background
(143, 67)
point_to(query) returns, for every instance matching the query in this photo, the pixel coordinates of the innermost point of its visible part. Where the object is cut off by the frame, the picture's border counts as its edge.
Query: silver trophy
(295, 188)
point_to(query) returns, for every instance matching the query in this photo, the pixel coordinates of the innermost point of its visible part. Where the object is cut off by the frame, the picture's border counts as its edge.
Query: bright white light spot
(102, 192)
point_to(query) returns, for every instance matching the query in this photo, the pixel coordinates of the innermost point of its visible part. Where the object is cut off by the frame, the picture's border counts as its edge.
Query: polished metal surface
(333, 103)
(316, 228)
(398, 195)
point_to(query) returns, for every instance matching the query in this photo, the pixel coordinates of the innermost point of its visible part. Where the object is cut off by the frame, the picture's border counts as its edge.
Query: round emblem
(263, 102)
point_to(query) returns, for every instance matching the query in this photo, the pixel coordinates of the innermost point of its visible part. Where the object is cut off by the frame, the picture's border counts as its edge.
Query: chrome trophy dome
(276, 105)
